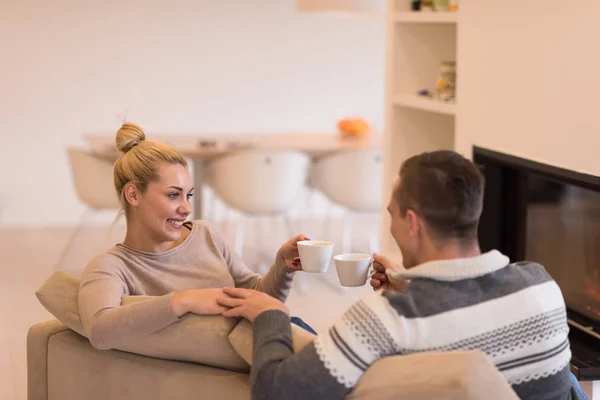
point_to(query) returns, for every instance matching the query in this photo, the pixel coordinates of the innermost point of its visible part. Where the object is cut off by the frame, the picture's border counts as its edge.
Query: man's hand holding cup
(379, 277)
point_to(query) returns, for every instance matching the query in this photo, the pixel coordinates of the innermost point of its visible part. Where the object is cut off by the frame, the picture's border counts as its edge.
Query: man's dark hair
(446, 190)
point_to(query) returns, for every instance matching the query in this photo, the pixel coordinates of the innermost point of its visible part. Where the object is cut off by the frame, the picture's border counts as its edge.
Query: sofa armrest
(458, 375)
(37, 357)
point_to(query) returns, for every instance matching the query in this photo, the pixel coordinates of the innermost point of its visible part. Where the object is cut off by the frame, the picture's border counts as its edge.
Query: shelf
(425, 104)
(426, 17)
(417, 43)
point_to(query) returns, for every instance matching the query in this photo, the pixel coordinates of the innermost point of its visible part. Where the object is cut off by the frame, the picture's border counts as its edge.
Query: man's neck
(450, 251)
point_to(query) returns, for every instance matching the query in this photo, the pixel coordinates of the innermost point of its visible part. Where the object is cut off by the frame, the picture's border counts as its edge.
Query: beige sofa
(210, 358)
(62, 365)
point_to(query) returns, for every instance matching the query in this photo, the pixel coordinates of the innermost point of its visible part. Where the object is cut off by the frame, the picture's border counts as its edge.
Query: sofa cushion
(211, 340)
(59, 296)
(196, 338)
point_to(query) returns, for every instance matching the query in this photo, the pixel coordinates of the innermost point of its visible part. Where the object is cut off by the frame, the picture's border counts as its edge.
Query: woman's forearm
(110, 327)
(197, 301)
(277, 282)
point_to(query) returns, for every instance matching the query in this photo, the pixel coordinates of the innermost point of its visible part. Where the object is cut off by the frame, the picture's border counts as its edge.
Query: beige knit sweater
(202, 260)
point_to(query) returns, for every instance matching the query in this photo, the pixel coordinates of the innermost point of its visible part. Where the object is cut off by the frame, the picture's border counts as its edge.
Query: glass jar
(446, 82)
(441, 5)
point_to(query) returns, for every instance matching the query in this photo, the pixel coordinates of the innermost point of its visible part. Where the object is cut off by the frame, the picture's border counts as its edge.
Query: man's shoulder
(528, 264)
(427, 297)
(531, 270)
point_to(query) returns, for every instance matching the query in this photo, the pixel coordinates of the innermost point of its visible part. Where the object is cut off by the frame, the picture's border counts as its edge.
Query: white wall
(529, 80)
(74, 66)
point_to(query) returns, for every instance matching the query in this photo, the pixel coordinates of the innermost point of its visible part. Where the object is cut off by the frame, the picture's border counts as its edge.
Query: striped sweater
(515, 313)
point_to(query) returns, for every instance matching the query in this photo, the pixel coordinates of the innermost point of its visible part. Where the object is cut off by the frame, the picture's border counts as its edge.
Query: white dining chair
(352, 180)
(259, 184)
(92, 178)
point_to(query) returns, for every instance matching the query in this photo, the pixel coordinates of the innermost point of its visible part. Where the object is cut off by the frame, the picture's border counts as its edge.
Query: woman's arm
(108, 324)
(277, 282)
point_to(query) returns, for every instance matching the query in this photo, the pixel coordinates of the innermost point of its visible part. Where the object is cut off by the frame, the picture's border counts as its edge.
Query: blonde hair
(140, 160)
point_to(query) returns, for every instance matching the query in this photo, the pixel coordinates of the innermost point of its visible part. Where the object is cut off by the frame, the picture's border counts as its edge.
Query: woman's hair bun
(128, 136)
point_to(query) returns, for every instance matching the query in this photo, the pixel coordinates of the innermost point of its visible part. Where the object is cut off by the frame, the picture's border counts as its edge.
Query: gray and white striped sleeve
(330, 366)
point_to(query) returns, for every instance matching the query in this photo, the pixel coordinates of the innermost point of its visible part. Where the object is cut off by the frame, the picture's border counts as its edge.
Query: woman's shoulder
(206, 231)
(106, 263)
(203, 226)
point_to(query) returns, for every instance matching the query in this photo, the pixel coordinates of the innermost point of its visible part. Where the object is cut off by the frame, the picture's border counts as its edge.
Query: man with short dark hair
(449, 296)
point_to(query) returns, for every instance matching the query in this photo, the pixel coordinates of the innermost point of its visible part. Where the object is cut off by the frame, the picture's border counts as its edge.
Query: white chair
(354, 181)
(259, 183)
(92, 178)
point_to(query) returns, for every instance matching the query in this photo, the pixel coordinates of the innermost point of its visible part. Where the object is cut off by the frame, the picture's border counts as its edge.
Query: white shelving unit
(417, 43)
(424, 103)
(425, 17)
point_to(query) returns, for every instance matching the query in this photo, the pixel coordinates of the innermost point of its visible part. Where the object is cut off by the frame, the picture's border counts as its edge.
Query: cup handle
(370, 269)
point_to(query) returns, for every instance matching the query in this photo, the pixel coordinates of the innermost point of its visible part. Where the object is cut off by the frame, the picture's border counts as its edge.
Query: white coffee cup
(315, 255)
(353, 268)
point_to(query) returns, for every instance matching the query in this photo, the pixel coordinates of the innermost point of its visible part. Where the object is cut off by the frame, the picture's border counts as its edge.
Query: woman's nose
(185, 208)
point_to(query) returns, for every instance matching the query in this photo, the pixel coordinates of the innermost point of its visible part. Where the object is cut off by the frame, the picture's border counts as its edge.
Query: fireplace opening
(541, 213)
(563, 234)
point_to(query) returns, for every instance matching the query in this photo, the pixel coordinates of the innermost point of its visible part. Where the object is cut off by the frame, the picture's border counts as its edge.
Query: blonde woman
(184, 264)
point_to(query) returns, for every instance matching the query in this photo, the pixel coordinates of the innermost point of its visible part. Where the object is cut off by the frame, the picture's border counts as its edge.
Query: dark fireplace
(549, 215)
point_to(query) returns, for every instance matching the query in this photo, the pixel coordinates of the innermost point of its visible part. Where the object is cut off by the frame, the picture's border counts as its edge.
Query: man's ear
(132, 195)
(414, 223)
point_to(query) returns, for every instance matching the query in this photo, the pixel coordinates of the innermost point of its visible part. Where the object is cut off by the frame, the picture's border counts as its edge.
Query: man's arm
(330, 366)
(278, 373)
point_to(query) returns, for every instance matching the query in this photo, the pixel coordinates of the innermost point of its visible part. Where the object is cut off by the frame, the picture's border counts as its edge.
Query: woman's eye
(173, 195)
(189, 196)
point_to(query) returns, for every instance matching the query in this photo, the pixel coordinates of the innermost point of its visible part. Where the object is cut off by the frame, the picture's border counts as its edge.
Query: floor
(30, 255)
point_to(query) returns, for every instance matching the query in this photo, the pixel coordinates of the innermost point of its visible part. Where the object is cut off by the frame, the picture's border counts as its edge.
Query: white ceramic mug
(315, 255)
(353, 268)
